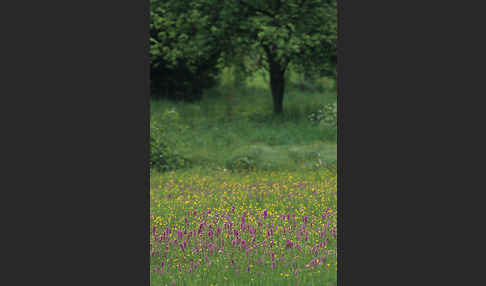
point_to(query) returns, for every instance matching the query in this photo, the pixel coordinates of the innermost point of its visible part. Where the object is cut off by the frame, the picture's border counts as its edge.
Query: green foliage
(165, 147)
(183, 60)
(303, 33)
(197, 38)
(178, 33)
(325, 115)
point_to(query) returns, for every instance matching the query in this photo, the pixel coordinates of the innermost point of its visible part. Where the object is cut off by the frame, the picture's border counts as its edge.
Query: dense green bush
(180, 68)
(165, 149)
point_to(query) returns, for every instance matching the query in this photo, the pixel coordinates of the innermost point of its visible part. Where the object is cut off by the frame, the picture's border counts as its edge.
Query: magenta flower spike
(289, 244)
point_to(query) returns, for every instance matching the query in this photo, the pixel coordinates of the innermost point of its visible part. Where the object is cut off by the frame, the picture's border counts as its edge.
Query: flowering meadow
(251, 228)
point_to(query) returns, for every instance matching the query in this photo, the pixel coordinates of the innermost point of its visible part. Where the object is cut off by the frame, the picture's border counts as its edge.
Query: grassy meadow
(255, 203)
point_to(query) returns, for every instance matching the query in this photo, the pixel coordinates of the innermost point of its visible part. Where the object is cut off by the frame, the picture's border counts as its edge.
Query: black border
(75, 96)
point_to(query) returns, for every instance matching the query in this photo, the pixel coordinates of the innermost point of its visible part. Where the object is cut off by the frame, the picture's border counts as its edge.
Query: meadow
(256, 202)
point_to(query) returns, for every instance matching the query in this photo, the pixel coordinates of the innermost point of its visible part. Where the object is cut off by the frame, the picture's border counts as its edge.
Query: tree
(302, 33)
(276, 33)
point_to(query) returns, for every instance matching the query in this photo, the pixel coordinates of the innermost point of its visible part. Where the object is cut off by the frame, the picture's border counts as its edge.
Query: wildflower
(289, 244)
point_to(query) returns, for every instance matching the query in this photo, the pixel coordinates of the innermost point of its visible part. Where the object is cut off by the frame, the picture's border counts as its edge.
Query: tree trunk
(277, 84)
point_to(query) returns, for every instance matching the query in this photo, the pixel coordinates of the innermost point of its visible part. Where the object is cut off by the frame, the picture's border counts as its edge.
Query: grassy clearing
(229, 121)
(256, 228)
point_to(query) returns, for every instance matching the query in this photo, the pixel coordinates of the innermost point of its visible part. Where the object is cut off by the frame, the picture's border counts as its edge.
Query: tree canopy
(273, 33)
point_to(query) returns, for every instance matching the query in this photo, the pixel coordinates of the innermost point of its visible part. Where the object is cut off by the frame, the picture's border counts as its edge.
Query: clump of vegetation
(165, 148)
(180, 69)
(325, 114)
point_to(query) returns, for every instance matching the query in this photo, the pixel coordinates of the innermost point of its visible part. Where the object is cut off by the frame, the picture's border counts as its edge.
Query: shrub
(165, 147)
(325, 115)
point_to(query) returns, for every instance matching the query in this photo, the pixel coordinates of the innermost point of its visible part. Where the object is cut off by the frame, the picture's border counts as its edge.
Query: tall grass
(229, 120)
